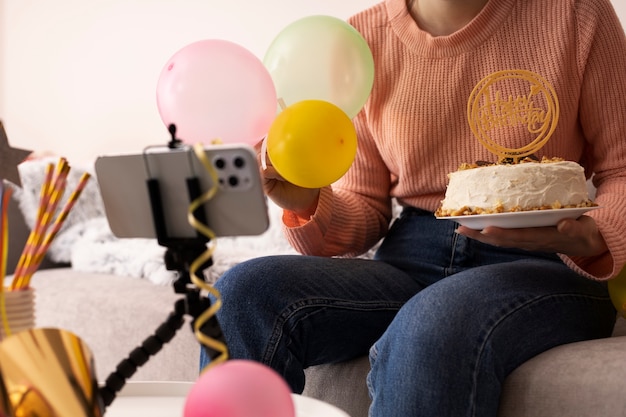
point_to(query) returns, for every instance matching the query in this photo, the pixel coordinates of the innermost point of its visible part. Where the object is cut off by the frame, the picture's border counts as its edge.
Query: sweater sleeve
(602, 60)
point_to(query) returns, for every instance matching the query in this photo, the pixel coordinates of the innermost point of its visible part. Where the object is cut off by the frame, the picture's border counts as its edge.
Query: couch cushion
(579, 379)
(113, 315)
(343, 384)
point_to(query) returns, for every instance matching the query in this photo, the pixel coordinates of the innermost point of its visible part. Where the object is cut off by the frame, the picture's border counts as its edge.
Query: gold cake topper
(493, 106)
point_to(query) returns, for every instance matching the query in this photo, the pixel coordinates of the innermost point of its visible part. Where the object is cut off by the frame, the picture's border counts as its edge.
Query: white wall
(620, 7)
(78, 77)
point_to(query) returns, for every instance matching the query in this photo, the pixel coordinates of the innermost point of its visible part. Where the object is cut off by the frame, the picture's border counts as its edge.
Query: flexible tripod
(179, 256)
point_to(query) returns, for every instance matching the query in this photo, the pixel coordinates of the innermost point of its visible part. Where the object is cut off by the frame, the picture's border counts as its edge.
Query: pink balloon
(215, 89)
(239, 388)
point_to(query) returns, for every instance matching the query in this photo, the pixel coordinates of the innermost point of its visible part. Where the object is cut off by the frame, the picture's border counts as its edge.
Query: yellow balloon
(617, 291)
(312, 143)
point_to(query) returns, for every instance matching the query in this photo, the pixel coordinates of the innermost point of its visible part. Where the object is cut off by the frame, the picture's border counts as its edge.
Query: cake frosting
(548, 184)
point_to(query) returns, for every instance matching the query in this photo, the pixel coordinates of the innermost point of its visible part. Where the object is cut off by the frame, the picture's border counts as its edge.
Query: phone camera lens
(239, 162)
(220, 163)
(233, 181)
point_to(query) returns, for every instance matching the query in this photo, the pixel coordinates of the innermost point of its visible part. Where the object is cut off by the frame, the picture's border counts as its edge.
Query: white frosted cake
(528, 185)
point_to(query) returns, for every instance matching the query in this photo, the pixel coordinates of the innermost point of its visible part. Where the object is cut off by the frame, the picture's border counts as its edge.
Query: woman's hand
(302, 201)
(573, 237)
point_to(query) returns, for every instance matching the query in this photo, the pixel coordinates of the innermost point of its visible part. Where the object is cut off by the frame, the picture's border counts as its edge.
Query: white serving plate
(519, 219)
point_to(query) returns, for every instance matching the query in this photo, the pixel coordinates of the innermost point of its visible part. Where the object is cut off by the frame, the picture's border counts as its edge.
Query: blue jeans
(444, 318)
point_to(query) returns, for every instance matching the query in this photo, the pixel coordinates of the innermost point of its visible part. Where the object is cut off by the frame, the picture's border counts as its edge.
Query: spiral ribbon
(196, 265)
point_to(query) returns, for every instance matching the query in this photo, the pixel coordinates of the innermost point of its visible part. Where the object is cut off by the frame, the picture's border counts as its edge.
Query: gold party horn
(47, 373)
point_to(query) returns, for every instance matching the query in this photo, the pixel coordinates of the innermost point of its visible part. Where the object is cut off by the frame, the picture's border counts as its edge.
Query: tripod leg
(141, 354)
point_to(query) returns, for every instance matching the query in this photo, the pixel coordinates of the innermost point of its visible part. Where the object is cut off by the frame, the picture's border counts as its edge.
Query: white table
(167, 399)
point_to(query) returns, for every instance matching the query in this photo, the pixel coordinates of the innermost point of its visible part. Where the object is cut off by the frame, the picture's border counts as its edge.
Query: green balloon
(321, 58)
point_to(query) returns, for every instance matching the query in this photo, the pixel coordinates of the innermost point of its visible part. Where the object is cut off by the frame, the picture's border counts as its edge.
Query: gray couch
(113, 315)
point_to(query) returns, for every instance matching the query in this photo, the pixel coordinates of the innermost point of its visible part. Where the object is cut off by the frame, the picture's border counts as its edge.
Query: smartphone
(238, 208)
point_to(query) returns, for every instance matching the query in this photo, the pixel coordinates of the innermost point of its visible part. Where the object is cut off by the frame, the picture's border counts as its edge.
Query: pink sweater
(413, 130)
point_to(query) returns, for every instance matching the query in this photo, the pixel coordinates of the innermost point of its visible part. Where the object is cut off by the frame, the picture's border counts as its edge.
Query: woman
(445, 312)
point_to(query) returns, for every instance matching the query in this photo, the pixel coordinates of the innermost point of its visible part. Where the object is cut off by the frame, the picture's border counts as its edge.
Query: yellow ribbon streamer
(204, 257)
(3, 261)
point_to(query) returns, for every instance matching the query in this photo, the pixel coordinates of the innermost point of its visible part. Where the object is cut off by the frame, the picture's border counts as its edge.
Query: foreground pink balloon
(216, 90)
(239, 388)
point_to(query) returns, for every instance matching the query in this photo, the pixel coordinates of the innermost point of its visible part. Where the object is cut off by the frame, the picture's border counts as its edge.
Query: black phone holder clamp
(181, 253)
(179, 256)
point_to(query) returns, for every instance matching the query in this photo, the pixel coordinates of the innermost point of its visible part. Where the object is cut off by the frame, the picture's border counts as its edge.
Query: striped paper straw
(43, 202)
(40, 238)
(58, 223)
